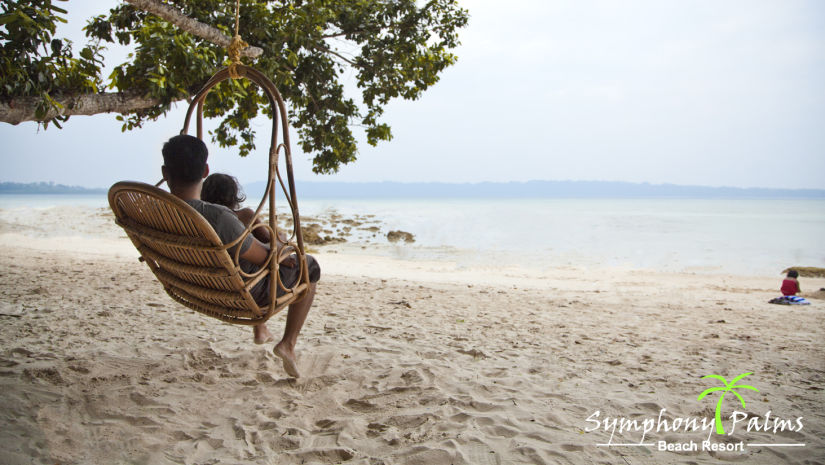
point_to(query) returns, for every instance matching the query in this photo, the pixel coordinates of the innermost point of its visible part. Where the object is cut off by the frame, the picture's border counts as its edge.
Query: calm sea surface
(705, 235)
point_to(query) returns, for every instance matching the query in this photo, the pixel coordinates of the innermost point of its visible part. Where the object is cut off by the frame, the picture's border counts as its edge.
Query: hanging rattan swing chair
(184, 251)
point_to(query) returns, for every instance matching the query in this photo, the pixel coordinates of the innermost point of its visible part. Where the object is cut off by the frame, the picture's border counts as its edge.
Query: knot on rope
(234, 51)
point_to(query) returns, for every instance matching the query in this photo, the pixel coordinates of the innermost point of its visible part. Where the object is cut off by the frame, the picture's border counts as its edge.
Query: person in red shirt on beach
(790, 285)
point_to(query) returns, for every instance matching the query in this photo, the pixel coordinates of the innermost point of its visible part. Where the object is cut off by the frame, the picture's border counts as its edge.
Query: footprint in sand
(359, 405)
(409, 421)
(142, 400)
(49, 375)
(21, 351)
(239, 430)
(470, 403)
(412, 377)
(325, 424)
(180, 436)
(572, 447)
(79, 369)
(322, 455)
(264, 377)
(376, 429)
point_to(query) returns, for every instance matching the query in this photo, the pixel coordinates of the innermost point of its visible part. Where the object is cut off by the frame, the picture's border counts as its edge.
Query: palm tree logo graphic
(728, 387)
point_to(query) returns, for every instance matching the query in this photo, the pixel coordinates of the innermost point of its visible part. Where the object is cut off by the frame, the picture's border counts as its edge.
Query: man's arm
(257, 253)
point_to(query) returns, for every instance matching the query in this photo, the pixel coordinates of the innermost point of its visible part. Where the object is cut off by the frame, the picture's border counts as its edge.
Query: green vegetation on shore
(807, 271)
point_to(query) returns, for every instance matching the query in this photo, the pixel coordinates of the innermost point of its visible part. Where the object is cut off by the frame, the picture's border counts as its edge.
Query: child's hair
(222, 189)
(793, 274)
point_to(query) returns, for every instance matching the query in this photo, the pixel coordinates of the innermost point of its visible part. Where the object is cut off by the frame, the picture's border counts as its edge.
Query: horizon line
(472, 183)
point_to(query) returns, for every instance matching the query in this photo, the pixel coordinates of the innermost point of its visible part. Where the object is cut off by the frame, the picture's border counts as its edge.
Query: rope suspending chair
(184, 251)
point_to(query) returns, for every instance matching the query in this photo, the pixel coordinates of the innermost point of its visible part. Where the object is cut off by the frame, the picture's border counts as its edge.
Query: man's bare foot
(262, 334)
(288, 357)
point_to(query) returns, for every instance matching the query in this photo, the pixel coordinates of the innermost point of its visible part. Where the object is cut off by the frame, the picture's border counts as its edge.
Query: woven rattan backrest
(183, 251)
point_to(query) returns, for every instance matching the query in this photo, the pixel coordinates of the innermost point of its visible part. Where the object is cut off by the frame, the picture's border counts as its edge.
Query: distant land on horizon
(529, 189)
(46, 188)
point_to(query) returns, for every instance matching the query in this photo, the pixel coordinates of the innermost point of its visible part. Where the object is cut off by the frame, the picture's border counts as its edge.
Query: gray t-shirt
(229, 228)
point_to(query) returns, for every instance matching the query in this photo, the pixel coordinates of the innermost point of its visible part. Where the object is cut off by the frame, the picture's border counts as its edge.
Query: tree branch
(20, 109)
(192, 26)
(323, 48)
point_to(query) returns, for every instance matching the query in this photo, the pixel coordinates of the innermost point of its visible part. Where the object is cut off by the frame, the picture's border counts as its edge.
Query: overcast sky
(712, 93)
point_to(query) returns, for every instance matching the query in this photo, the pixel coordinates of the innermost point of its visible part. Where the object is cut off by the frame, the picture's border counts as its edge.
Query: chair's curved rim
(192, 214)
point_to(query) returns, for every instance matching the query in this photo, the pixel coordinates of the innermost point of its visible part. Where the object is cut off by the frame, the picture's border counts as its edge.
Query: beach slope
(413, 363)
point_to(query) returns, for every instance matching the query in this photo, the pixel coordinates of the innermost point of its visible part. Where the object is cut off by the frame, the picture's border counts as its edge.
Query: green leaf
(723, 380)
(58, 9)
(7, 18)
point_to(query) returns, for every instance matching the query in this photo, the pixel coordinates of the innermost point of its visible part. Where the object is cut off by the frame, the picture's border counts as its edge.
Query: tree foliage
(34, 63)
(389, 48)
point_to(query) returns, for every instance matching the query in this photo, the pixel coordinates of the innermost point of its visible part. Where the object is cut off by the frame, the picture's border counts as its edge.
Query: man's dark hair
(222, 189)
(793, 274)
(184, 157)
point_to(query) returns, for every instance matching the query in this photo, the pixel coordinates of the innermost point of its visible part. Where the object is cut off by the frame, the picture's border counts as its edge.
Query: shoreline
(692, 236)
(352, 260)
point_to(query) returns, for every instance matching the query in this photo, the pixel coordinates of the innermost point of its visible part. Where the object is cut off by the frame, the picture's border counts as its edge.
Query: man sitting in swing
(184, 168)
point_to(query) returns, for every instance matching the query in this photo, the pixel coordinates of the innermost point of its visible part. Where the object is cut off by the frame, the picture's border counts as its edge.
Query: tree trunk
(21, 109)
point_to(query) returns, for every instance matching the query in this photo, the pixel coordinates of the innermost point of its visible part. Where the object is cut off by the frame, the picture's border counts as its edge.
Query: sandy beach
(403, 362)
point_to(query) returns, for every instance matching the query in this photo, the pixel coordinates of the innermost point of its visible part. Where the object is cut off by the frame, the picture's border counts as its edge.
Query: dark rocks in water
(395, 236)
(807, 271)
(312, 233)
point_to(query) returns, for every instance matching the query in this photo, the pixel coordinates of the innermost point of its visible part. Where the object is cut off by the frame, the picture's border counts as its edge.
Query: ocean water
(42, 201)
(704, 235)
(757, 237)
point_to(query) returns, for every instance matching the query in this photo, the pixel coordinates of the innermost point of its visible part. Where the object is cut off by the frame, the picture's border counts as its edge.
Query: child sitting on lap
(223, 189)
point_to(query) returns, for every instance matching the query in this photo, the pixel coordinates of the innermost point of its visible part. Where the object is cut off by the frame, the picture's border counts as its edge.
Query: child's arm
(246, 215)
(262, 234)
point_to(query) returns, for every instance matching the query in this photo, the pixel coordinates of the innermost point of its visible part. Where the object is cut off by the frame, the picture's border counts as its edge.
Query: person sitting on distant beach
(223, 189)
(184, 168)
(790, 285)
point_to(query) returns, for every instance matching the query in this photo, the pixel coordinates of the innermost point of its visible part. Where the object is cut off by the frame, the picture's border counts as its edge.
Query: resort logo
(728, 387)
(738, 422)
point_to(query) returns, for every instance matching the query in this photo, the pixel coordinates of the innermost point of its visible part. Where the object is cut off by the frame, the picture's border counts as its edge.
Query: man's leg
(295, 318)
